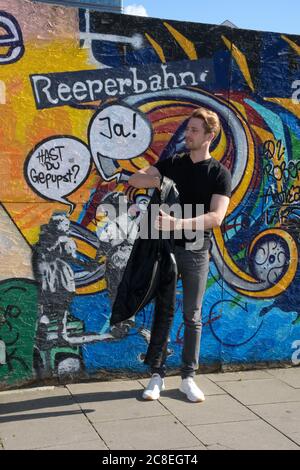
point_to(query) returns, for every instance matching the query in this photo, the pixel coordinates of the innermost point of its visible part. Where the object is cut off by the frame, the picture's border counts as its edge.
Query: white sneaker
(191, 390)
(155, 386)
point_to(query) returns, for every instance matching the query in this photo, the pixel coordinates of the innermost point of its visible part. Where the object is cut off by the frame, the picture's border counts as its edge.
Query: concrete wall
(65, 76)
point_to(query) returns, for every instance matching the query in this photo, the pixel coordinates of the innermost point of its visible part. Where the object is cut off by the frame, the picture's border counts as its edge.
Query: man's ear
(212, 136)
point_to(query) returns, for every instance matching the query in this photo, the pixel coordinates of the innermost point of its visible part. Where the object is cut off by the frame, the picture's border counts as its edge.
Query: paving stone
(46, 432)
(283, 416)
(289, 376)
(96, 444)
(215, 409)
(191, 449)
(112, 401)
(238, 376)
(253, 435)
(162, 432)
(256, 392)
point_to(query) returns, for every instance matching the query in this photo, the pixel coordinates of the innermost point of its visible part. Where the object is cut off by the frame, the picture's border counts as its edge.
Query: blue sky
(263, 15)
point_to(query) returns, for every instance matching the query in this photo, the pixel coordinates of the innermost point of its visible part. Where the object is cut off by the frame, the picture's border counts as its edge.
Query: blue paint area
(277, 60)
(94, 310)
(292, 123)
(271, 335)
(143, 56)
(273, 120)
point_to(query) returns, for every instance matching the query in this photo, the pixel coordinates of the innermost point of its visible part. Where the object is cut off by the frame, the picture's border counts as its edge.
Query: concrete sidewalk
(243, 410)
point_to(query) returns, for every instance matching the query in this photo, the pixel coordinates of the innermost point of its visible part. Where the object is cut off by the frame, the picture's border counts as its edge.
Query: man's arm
(217, 211)
(214, 218)
(146, 178)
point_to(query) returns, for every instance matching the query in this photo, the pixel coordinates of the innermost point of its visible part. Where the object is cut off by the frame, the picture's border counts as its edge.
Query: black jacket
(151, 272)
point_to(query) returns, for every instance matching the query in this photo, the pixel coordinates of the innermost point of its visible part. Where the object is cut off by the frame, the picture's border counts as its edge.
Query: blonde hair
(210, 119)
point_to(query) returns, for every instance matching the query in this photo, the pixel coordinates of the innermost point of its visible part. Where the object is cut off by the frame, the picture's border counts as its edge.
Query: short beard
(190, 147)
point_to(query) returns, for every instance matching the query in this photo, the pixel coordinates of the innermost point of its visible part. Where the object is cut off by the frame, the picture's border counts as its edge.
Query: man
(203, 182)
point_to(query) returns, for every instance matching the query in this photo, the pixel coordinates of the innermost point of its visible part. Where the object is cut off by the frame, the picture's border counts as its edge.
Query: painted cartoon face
(101, 212)
(70, 248)
(62, 223)
(120, 257)
(142, 202)
(140, 206)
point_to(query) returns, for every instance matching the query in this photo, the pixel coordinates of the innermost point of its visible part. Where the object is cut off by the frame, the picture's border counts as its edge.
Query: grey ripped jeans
(193, 269)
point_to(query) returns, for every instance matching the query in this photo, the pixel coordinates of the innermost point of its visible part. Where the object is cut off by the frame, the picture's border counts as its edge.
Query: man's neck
(200, 155)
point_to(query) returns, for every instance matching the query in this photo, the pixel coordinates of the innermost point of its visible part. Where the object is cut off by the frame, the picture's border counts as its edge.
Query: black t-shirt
(196, 183)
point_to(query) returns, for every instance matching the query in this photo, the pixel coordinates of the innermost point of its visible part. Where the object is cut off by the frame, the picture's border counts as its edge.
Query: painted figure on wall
(52, 258)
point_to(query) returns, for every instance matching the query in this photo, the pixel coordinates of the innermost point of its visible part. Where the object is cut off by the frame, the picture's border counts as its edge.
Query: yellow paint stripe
(286, 103)
(156, 47)
(91, 226)
(98, 286)
(85, 249)
(243, 187)
(152, 154)
(219, 152)
(262, 133)
(169, 119)
(146, 108)
(292, 44)
(185, 44)
(141, 162)
(227, 259)
(240, 60)
(163, 136)
(241, 108)
(126, 165)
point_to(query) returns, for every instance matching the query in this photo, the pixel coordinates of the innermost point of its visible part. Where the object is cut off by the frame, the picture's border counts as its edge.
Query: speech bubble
(118, 132)
(56, 167)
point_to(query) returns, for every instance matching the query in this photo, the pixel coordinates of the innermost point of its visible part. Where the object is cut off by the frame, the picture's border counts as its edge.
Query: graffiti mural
(11, 43)
(18, 304)
(89, 98)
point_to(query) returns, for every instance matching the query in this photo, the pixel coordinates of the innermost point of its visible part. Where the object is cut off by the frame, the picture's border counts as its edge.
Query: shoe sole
(193, 401)
(150, 398)
(147, 398)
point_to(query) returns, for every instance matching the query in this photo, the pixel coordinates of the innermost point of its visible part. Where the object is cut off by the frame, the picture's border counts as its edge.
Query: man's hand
(167, 223)
(146, 178)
